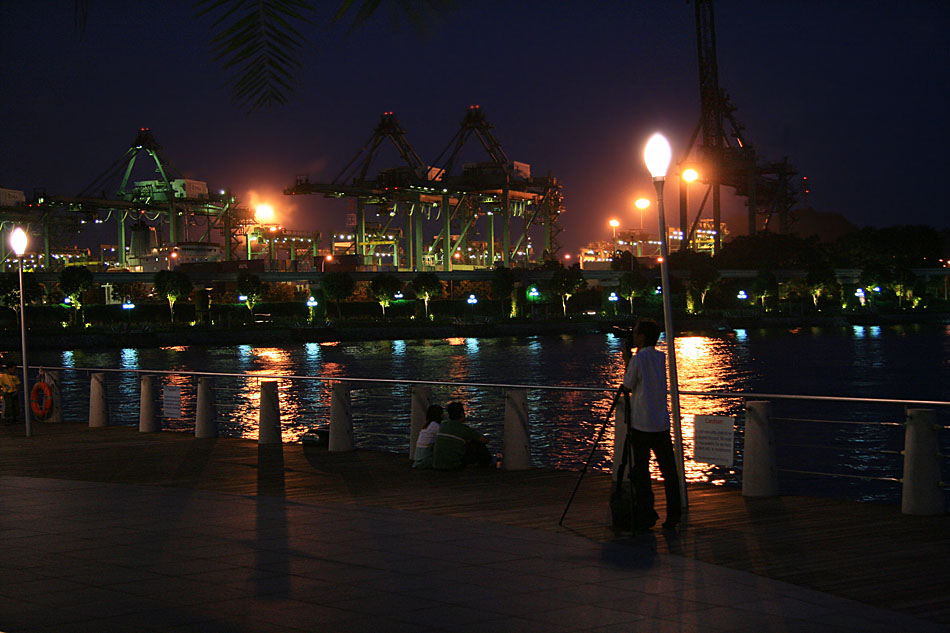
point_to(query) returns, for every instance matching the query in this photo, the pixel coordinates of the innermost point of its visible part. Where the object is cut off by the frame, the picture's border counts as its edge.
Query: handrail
(782, 396)
(404, 381)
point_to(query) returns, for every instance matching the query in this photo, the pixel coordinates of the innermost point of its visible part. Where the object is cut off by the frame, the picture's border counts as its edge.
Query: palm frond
(259, 42)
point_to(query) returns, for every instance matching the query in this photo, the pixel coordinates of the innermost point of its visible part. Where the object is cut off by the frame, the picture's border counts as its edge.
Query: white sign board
(171, 401)
(714, 440)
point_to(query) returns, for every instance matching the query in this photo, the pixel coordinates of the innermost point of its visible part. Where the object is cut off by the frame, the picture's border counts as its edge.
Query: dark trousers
(662, 448)
(476, 453)
(10, 408)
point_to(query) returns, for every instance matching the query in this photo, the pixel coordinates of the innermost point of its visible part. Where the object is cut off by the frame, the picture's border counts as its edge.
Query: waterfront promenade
(113, 530)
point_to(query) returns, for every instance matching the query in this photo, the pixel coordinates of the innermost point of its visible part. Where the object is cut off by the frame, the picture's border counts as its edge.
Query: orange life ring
(41, 399)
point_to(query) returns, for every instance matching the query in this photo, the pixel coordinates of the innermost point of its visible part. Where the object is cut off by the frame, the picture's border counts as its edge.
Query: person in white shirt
(426, 440)
(645, 378)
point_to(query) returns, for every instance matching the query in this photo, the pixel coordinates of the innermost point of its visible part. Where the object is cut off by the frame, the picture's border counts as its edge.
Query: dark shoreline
(10, 341)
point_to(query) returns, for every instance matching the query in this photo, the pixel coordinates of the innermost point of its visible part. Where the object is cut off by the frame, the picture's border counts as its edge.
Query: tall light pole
(642, 204)
(18, 240)
(614, 224)
(657, 156)
(323, 264)
(689, 175)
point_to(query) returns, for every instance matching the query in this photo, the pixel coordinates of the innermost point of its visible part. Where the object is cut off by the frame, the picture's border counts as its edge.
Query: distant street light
(323, 264)
(688, 175)
(657, 156)
(18, 241)
(642, 204)
(614, 224)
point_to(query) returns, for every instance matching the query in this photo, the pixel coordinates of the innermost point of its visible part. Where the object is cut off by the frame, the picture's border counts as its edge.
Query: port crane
(726, 156)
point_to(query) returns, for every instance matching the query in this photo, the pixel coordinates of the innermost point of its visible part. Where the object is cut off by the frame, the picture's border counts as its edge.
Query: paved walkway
(81, 556)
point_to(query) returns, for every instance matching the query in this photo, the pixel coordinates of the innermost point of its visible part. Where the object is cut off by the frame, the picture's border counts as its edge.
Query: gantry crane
(725, 155)
(168, 198)
(419, 192)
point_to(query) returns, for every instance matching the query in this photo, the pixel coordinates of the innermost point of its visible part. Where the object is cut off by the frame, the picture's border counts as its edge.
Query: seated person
(457, 444)
(426, 439)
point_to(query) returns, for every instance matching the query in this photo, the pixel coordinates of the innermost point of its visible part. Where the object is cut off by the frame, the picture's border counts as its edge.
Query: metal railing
(388, 428)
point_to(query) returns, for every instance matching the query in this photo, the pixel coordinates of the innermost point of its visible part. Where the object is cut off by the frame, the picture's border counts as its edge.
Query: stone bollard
(341, 418)
(149, 422)
(421, 398)
(759, 473)
(269, 420)
(516, 454)
(98, 405)
(921, 493)
(52, 378)
(620, 434)
(206, 418)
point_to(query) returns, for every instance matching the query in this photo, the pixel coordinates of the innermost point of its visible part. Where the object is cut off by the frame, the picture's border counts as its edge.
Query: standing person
(9, 383)
(457, 444)
(650, 421)
(426, 440)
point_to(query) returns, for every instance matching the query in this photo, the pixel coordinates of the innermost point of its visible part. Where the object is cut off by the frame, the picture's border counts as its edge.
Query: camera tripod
(618, 514)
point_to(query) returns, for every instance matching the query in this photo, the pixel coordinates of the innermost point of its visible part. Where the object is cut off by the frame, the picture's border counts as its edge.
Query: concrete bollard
(52, 378)
(516, 454)
(421, 398)
(98, 405)
(149, 422)
(341, 418)
(759, 473)
(206, 418)
(620, 434)
(269, 420)
(921, 493)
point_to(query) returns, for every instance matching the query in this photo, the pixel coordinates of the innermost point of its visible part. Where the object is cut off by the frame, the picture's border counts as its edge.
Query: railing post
(206, 420)
(98, 405)
(921, 492)
(149, 422)
(516, 454)
(620, 434)
(341, 418)
(269, 420)
(421, 396)
(759, 473)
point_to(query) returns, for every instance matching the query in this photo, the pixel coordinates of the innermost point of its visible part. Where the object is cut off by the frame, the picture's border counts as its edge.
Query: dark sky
(854, 93)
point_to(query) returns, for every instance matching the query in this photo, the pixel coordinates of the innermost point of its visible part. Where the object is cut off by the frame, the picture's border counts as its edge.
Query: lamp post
(657, 156)
(323, 264)
(18, 240)
(614, 224)
(688, 175)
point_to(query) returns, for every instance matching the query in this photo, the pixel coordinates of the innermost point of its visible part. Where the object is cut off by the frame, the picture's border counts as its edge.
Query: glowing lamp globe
(642, 203)
(18, 241)
(690, 175)
(658, 155)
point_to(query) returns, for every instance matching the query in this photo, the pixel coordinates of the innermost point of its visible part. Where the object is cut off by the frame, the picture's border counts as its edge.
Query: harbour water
(900, 362)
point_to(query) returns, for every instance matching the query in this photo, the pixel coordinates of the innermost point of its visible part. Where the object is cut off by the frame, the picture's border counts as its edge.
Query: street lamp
(614, 224)
(689, 175)
(642, 204)
(657, 156)
(18, 240)
(323, 264)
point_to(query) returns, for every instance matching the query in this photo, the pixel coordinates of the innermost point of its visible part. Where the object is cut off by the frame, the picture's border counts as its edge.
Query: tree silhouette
(337, 287)
(172, 285)
(427, 285)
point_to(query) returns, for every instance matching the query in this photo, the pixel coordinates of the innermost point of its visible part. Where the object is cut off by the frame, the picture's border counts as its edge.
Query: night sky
(853, 93)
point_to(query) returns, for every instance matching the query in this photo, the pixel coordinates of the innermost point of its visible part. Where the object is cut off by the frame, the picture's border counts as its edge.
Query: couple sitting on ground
(450, 444)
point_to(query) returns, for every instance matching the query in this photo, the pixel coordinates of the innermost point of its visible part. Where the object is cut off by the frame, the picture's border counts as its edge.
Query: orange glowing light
(329, 258)
(659, 260)
(174, 254)
(642, 203)
(614, 223)
(458, 255)
(689, 175)
(264, 213)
